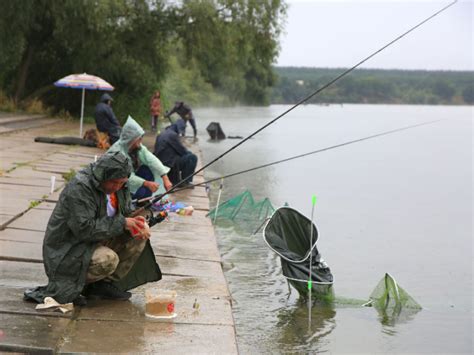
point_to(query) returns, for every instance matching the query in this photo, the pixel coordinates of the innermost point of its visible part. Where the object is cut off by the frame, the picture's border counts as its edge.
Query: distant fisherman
(105, 119)
(155, 110)
(185, 112)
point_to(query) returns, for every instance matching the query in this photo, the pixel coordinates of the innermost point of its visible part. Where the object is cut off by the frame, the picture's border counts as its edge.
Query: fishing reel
(154, 218)
(150, 213)
(157, 218)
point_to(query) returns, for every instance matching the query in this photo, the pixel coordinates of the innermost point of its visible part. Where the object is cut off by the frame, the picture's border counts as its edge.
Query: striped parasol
(84, 82)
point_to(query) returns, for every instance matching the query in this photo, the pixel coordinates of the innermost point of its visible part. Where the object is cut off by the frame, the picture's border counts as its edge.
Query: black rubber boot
(80, 301)
(107, 291)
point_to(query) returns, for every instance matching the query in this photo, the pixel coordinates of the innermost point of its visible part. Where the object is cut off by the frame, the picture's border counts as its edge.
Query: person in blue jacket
(170, 151)
(105, 119)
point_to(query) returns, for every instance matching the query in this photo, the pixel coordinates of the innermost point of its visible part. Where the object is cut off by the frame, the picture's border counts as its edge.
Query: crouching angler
(105, 118)
(91, 248)
(149, 176)
(170, 150)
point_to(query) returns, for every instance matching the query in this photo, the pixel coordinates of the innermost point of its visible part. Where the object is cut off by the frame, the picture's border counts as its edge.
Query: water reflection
(391, 316)
(392, 302)
(297, 334)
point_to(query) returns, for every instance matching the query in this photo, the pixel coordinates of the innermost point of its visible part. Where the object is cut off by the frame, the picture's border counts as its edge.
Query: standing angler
(155, 110)
(186, 114)
(91, 247)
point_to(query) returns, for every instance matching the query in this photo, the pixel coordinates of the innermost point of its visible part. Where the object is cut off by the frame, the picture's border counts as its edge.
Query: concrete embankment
(185, 247)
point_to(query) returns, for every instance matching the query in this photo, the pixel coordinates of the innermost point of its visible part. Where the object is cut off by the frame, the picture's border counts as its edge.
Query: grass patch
(6, 103)
(69, 175)
(33, 204)
(35, 106)
(18, 165)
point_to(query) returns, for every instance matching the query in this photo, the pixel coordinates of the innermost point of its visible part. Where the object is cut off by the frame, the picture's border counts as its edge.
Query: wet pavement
(185, 247)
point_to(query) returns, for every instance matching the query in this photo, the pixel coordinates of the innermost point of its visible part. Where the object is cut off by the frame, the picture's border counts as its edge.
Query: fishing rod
(311, 153)
(159, 197)
(325, 86)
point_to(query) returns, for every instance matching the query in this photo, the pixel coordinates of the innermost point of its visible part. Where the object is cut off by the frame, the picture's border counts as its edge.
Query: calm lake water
(400, 203)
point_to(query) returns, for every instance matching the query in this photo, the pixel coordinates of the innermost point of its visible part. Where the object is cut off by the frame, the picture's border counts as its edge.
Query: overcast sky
(336, 33)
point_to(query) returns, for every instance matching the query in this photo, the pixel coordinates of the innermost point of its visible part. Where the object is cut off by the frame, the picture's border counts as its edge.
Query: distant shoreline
(357, 103)
(374, 86)
(341, 69)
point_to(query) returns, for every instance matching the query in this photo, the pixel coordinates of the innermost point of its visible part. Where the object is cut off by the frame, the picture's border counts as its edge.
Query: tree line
(375, 86)
(200, 51)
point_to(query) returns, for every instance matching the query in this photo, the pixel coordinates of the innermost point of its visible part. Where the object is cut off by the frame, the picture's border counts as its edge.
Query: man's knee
(145, 172)
(128, 257)
(136, 246)
(189, 159)
(103, 263)
(193, 158)
(193, 162)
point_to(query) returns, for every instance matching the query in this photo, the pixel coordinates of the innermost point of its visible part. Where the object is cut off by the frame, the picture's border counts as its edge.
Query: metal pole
(82, 111)
(218, 199)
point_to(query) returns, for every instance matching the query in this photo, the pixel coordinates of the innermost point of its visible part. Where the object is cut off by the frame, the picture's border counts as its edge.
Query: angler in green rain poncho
(149, 176)
(88, 246)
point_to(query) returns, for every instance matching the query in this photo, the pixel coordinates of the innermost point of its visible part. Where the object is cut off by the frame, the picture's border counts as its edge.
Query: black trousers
(182, 168)
(145, 173)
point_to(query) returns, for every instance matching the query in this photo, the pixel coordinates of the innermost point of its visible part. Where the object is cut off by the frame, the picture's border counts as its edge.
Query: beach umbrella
(84, 82)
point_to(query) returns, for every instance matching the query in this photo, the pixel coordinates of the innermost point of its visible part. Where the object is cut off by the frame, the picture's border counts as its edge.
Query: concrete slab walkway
(185, 247)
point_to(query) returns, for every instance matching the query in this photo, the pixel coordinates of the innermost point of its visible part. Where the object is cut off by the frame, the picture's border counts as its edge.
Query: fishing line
(158, 197)
(219, 198)
(316, 92)
(331, 82)
(313, 152)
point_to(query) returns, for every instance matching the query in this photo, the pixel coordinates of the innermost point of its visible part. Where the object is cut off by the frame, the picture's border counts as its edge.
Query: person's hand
(135, 225)
(151, 185)
(166, 182)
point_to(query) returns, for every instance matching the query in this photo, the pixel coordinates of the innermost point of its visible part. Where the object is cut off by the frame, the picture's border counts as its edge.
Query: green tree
(468, 94)
(225, 46)
(376, 86)
(444, 90)
(234, 43)
(118, 40)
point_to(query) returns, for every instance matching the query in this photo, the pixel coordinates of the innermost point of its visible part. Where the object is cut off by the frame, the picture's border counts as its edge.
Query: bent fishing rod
(325, 86)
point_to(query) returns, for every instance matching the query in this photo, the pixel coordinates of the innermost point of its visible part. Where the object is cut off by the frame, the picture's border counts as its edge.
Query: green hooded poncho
(79, 223)
(131, 131)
